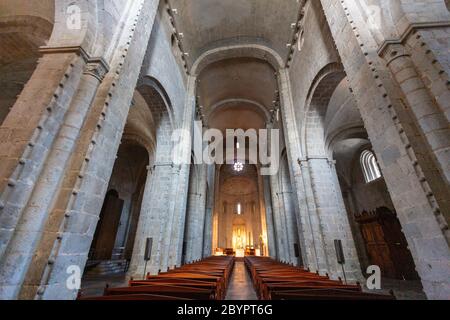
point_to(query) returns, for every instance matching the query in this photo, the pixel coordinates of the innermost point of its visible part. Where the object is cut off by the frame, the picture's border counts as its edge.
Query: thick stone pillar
(31, 128)
(309, 239)
(217, 210)
(196, 215)
(73, 217)
(208, 229)
(350, 203)
(267, 195)
(176, 235)
(333, 219)
(137, 268)
(156, 209)
(279, 221)
(164, 204)
(319, 242)
(288, 213)
(420, 215)
(31, 224)
(429, 119)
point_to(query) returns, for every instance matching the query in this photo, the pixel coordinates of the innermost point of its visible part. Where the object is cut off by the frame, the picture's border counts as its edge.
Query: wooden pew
(327, 294)
(134, 297)
(279, 281)
(203, 280)
(165, 290)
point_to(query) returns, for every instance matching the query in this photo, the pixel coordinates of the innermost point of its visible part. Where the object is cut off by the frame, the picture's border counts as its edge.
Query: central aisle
(241, 287)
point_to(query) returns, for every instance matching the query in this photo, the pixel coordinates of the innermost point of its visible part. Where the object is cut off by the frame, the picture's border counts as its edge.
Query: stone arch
(350, 132)
(150, 88)
(318, 99)
(213, 109)
(87, 36)
(160, 106)
(237, 51)
(115, 232)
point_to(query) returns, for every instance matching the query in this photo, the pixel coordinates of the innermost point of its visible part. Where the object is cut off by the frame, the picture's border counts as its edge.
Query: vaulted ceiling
(236, 90)
(209, 24)
(237, 93)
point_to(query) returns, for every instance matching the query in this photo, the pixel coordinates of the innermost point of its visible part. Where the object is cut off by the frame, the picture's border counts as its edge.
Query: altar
(240, 253)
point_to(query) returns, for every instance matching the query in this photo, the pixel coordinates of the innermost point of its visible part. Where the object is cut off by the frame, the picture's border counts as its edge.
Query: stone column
(429, 118)
(308, 243)
(216, 210)
(30, 225)
(420, 216)
(278, 219)
(428, 46)
(352, 209)
(196, 216)
(198, 243)
(73, 218)
(31, 128)
(33, 122)
(333, 219)
(267, 195)
(137, 265)
(208, 229)
(176, 235)
(288, 213)
(318, 239)
(157, 204)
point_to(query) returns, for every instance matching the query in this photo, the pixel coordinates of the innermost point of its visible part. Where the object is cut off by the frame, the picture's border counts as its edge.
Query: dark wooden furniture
(204, 280)
(278, 281)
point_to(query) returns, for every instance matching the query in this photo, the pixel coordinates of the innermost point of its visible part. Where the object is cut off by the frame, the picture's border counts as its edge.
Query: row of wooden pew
(277, 281)
(204, 280)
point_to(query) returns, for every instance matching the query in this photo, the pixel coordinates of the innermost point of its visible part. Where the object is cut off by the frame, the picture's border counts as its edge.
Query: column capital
(411, 29)
(393, 51)
(97, 67)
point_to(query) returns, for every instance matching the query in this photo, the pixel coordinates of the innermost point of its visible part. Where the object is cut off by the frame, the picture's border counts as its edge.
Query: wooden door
(398, 247)
(377, 248)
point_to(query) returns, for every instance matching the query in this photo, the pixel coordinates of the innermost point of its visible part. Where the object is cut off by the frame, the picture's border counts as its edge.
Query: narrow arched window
(370, 166)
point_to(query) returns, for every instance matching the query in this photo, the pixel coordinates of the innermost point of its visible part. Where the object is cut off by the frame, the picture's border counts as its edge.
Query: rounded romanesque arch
(318, 100)
(256, 51)
(23, 30)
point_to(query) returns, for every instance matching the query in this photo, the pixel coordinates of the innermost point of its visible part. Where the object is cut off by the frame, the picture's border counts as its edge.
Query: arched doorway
(115, 232)
(107, 227)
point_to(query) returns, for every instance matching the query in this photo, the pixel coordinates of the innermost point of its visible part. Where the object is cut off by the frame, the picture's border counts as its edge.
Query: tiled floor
(241, 287)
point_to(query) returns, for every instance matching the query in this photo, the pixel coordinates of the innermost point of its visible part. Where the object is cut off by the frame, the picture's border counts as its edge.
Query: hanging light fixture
(238, 166)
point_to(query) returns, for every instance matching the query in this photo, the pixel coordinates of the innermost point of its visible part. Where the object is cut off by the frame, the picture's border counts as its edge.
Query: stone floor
(94, 286)
(241, 286)
(403, 290)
